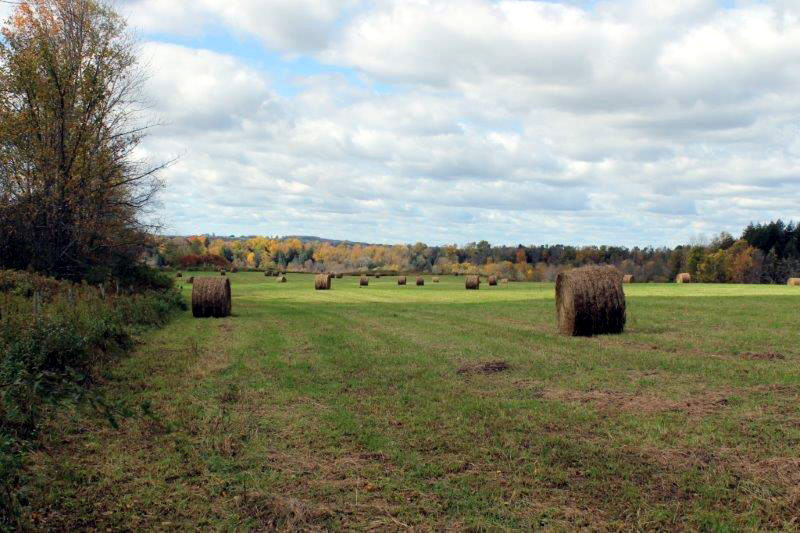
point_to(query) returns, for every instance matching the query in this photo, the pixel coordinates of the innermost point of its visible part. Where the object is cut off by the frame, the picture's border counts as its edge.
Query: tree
(72, 196)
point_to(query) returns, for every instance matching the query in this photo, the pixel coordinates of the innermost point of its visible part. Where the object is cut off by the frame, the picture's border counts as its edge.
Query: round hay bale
(493, 280)
(627, 278)
(401, 280)
(793, 282)
(472, 283)
(590, 301)
(420, 281)
(281, 279)
(178, 275)
(683, 277)
(211, 297)
(436, 280)
(364, 281)
(322, 282)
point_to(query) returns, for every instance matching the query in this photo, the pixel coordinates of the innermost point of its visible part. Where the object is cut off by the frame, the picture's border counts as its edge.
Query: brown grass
(484, 367)
(322, 282)
(211, 297)
(683, 277)
(590, 301)
(472, 283)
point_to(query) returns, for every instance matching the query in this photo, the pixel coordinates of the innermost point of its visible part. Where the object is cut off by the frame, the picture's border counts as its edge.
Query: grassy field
(375, 407)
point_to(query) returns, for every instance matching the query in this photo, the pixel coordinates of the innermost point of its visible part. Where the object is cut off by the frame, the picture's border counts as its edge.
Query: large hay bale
(492, 281)
(793, 282)
(420, 281)
(590, 301)
(364, 281)
(627, 278)
(281, 279)
(211, 297)
(401, 280)
(436, 279)
(322, 282)
(683, 277)
(472, 283)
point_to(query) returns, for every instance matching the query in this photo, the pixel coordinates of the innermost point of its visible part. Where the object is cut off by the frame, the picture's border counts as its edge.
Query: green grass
(345, 409)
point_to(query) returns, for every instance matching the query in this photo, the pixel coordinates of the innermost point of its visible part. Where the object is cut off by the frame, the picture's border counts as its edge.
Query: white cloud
(634, 122)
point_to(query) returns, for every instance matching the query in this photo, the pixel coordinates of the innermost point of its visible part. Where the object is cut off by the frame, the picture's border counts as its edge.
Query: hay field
(435, 407)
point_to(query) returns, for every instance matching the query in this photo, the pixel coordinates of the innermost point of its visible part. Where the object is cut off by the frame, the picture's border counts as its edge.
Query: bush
(52, 336)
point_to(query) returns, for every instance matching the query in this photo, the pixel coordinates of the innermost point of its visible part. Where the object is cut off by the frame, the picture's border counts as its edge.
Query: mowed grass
(368, 408)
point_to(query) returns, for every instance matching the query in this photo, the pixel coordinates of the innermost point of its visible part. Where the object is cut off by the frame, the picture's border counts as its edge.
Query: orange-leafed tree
(72, 196)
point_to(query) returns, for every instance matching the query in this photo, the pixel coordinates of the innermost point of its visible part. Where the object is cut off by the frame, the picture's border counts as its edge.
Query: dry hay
(211, 297)
(401, 280)
(472, 283)
(627, 278)
(281, 279)
(364, 281)
(590, 301)
(436, 280)
(420, 281)
(487, 367)
(683, 277)
(322, 282)
(493, 281)
(793, 282)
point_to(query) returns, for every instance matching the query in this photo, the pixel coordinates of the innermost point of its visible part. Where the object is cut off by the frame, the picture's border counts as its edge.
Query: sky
(632, 122)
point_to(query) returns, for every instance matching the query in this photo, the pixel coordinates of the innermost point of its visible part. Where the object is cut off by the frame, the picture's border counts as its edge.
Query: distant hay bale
(627, 278)
(281, 279)
(401, 280)
(472, 283)
(436, 280)
(793, 282)
(364, 281)
(211, 297)
(178, 275)
(590, 301)
(492, 281)
(322, 282)
(190, 280)
(683, 277)
(420, 281)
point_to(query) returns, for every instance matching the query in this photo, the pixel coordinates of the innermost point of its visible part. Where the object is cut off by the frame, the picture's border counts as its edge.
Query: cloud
(634, 122)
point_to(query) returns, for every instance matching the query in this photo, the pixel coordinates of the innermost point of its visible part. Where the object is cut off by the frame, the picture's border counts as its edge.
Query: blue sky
(636, 122)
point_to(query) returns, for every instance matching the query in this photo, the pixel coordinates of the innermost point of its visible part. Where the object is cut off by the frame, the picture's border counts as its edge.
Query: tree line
(764, 253)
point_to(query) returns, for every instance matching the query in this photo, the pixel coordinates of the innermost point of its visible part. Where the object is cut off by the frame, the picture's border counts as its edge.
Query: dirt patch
(485, 367)
(604, 400)
(764, 356)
